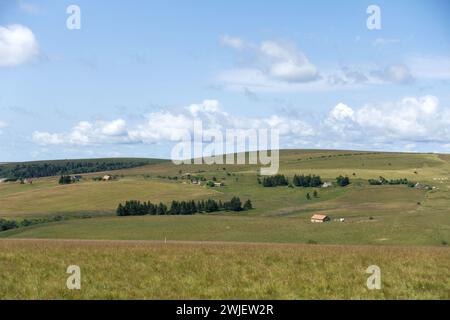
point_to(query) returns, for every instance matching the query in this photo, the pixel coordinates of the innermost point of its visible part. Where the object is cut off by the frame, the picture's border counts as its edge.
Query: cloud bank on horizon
(133, 87)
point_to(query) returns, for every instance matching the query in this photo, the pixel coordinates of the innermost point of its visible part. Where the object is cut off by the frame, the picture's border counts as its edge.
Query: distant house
(327, 184)
(419, 185)
(3, 180)
(319, 218)
(218, 184)
(107, 178)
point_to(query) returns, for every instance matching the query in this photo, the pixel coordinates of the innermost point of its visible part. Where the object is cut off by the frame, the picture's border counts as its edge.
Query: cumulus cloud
(86, 133)
(286, 63)
(166, 126)
(18, 45)
(409, 119)
(269, 64)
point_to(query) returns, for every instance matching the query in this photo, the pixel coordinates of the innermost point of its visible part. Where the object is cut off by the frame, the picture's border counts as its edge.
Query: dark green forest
(38, 169)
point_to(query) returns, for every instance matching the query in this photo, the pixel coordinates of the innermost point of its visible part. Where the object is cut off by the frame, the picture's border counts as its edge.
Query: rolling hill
(377, 218)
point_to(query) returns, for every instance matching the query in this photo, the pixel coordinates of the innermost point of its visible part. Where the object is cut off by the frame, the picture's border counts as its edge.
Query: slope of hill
(272, 251)
(386, 214)
(36, 169)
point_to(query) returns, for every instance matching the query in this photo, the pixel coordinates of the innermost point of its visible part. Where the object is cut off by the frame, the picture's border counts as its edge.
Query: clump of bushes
(274, 181)
(342, 181)
(138, 208)
(13, 224)
(382, 181)
(66, 180)
(307, 181)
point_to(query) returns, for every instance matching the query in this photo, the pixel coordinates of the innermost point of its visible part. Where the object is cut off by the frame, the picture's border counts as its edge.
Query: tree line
(275, 180)
(381, 180)
(13, 224)
(306, 181)
(46, 169)
(190, 207)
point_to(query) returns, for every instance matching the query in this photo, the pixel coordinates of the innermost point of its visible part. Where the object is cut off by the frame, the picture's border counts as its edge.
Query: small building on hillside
(218, 184)
(107, 177)
(3, 180)
(319, 218)
(327, 184)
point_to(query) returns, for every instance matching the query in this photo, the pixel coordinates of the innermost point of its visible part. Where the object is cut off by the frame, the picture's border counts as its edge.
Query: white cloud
(114, 128)
(342, 112)
(406, 122)
(287, 63)
(396, 73)
(18, 45)
(233, 42)
(409, 119)
(86, 133)
(167, 126)
(270, 64)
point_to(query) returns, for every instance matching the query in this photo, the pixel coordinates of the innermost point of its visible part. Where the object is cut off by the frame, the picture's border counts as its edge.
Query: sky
(136, 74)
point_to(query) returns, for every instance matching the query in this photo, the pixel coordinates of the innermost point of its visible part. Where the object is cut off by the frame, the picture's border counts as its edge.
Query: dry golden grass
(148, 270)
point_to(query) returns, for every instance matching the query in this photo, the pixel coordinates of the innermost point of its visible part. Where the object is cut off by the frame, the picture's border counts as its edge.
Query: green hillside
(272, 251)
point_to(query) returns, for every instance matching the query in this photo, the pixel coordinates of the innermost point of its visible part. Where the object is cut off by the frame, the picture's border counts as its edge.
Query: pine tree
(247, 205)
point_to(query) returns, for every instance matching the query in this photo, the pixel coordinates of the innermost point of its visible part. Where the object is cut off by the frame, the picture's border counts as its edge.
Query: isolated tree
(247, 205)
(342, 181)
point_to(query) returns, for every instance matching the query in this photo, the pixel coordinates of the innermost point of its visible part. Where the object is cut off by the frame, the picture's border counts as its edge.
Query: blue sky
(138, 72)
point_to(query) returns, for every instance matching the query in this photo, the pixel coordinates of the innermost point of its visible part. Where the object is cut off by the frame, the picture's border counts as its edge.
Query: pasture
(270, 252)
(149, 270)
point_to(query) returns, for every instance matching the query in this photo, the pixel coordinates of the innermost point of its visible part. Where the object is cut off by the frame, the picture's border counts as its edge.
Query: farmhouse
(107, 178)
(319, 218)
(327, 185)
(218, 184)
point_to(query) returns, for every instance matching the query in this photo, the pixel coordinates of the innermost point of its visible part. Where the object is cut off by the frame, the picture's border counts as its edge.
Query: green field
(378, 219)
(143, 270)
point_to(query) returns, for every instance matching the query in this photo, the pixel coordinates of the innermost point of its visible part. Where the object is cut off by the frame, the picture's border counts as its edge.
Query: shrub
(274, 181)
(342, 181)
(307, 181)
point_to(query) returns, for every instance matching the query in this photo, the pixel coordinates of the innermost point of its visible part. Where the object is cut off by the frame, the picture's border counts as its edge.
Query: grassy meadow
(272, 251)
(146, 270)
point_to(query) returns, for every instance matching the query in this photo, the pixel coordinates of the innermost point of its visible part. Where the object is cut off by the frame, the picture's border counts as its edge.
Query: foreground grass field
(145, 270)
